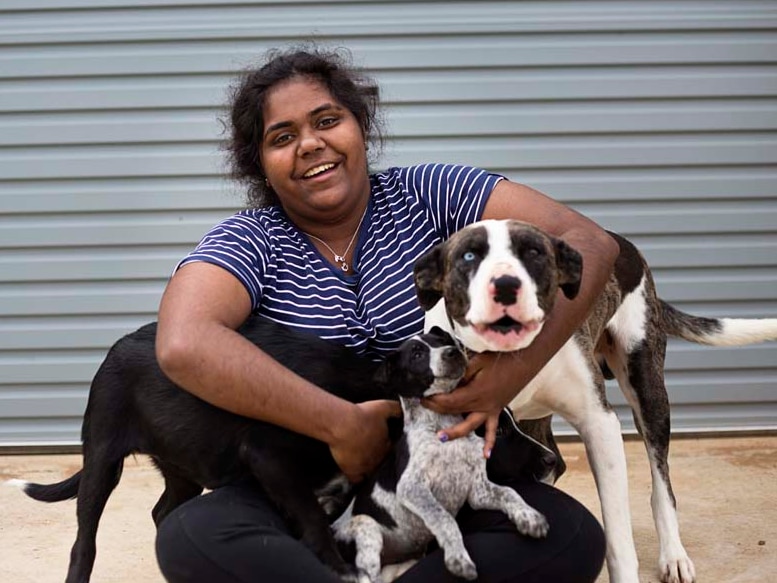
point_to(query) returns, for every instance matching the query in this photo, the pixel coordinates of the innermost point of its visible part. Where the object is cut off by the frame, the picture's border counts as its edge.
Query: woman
(329, 248)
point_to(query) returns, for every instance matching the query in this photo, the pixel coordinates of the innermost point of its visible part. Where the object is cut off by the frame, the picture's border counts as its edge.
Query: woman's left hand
(486, 389)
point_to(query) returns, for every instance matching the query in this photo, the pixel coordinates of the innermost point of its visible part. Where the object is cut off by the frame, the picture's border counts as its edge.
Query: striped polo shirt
(373, 309)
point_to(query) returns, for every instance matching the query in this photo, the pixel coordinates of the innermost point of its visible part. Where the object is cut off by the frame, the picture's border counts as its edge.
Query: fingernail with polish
(443, 437)
(488, 453)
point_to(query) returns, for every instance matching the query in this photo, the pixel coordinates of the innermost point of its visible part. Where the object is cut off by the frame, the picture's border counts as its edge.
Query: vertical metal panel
(656, 118)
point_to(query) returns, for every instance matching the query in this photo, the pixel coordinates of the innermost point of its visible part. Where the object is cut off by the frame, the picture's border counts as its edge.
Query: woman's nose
(310, 142)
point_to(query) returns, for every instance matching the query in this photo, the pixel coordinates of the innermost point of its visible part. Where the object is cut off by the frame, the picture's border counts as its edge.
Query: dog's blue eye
(469, 256)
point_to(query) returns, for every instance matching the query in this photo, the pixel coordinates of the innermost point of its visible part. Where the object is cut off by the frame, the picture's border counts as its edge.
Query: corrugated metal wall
(656, 118)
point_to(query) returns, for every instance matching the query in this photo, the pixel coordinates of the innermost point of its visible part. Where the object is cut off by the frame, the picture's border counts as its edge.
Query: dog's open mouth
(505, 325)
(506, 333)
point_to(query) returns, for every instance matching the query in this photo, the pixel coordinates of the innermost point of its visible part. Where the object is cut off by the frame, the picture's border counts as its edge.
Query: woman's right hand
(362, 441)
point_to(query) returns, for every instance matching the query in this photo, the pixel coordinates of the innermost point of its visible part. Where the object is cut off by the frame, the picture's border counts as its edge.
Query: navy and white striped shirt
(374, 309)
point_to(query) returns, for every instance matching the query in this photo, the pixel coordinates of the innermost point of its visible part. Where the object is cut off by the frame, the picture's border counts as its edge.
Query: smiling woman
(328, 248)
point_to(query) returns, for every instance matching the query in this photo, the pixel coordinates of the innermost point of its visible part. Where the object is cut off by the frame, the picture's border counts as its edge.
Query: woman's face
(312, 152)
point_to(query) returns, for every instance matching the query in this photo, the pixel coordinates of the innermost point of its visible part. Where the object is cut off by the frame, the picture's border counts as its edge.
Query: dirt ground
(726, 490)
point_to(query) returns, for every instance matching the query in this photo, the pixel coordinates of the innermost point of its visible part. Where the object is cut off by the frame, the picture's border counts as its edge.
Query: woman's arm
(494, 379)
(198, 348)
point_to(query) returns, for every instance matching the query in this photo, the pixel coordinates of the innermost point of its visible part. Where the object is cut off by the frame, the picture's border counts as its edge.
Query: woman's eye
(327, 121)
(281, 139)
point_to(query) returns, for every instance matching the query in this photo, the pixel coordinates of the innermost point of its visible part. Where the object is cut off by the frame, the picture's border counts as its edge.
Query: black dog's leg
(177, 491)
(99, 478)
(285, 485)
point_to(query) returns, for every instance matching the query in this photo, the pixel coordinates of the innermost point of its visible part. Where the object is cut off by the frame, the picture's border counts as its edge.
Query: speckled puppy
(417, 492)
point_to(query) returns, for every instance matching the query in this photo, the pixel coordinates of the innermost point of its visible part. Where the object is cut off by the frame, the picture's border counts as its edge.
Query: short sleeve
(238, 244)
(455, 195)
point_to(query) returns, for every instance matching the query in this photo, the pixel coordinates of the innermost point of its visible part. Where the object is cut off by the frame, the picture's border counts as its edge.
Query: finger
(490, 438)
(467, 426)
(459, 401)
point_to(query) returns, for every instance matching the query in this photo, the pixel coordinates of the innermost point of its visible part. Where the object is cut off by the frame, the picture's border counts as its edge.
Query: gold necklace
(341, 258)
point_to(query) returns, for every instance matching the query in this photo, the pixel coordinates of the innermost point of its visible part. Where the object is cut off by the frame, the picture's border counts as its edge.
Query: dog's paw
(391, 572)
(355, 575)
(531, 523)
(462, 566)
(677, 569)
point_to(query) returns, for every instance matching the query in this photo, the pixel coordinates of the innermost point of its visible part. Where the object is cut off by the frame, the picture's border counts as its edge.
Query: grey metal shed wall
(656, 118)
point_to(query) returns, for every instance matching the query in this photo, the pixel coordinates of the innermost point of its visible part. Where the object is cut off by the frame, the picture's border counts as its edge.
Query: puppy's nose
(506, 289)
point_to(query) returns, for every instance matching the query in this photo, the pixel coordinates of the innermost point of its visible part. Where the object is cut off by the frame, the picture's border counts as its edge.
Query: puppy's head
(424, 365)
(498, 280)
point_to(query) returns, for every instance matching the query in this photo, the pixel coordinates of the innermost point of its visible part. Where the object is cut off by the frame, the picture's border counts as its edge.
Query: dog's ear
(438, 332)
(382, 376)
(570, 268)
(427, 273)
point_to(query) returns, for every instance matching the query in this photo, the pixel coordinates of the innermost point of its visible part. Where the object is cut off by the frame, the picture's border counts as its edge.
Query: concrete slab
(726, 490)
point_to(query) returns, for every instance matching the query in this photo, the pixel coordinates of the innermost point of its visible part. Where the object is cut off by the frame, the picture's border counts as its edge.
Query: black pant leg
(234, 535)
(573, 551)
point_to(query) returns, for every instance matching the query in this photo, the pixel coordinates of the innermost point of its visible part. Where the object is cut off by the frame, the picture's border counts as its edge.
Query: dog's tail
(717, 332)
(64, 490)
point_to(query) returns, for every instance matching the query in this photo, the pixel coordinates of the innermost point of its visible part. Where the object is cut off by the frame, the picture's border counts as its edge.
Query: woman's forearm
(221, 367)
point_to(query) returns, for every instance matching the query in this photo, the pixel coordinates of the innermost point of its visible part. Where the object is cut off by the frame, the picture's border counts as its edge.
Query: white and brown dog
(493, 284)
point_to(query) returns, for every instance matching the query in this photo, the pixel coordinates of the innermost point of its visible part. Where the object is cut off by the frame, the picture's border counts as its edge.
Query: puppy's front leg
(414, 495)
(485, 495)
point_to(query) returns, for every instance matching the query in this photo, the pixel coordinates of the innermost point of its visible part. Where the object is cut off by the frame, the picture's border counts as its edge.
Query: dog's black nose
(506, 289)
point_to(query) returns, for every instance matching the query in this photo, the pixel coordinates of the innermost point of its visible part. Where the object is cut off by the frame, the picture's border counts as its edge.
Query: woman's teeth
(317, 170)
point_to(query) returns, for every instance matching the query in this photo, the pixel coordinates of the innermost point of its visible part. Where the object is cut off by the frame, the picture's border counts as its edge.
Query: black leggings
(234, 534)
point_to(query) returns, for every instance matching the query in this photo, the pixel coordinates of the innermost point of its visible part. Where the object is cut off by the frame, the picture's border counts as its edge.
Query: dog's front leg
(485, 495)
(286, 486)
(601, 434)
(414, 495)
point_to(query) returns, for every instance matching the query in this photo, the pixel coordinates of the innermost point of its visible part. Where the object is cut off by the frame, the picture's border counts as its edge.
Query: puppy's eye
(469, 256)
(532, 252)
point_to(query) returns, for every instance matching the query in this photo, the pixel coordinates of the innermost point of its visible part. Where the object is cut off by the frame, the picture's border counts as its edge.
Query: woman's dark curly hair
(246, 108)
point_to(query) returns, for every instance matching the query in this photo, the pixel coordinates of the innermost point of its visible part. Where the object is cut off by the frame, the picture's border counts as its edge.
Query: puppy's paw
(462, 566)
(356, 575)
(677, 570)
(390, 572)
(530, 522)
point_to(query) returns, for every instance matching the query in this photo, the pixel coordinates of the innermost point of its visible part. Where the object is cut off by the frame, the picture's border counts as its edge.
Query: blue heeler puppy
(418, 490)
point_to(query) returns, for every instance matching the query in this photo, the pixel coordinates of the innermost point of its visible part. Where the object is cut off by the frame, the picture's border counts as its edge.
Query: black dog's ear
(570, 268)
(427, 275)
(382, 376)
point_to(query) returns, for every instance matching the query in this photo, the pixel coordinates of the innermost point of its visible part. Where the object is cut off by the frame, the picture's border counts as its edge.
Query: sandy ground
(726, 490)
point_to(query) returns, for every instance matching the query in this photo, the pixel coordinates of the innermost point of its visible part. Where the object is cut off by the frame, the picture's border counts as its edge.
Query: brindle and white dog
(493, 284)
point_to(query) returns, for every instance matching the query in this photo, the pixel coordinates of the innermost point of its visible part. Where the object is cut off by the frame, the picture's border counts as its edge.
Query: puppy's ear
(438, 332)
(570, 268)
(427, 275)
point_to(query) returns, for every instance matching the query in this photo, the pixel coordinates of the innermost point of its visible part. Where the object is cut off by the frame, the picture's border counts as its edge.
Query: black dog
(134, 408)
